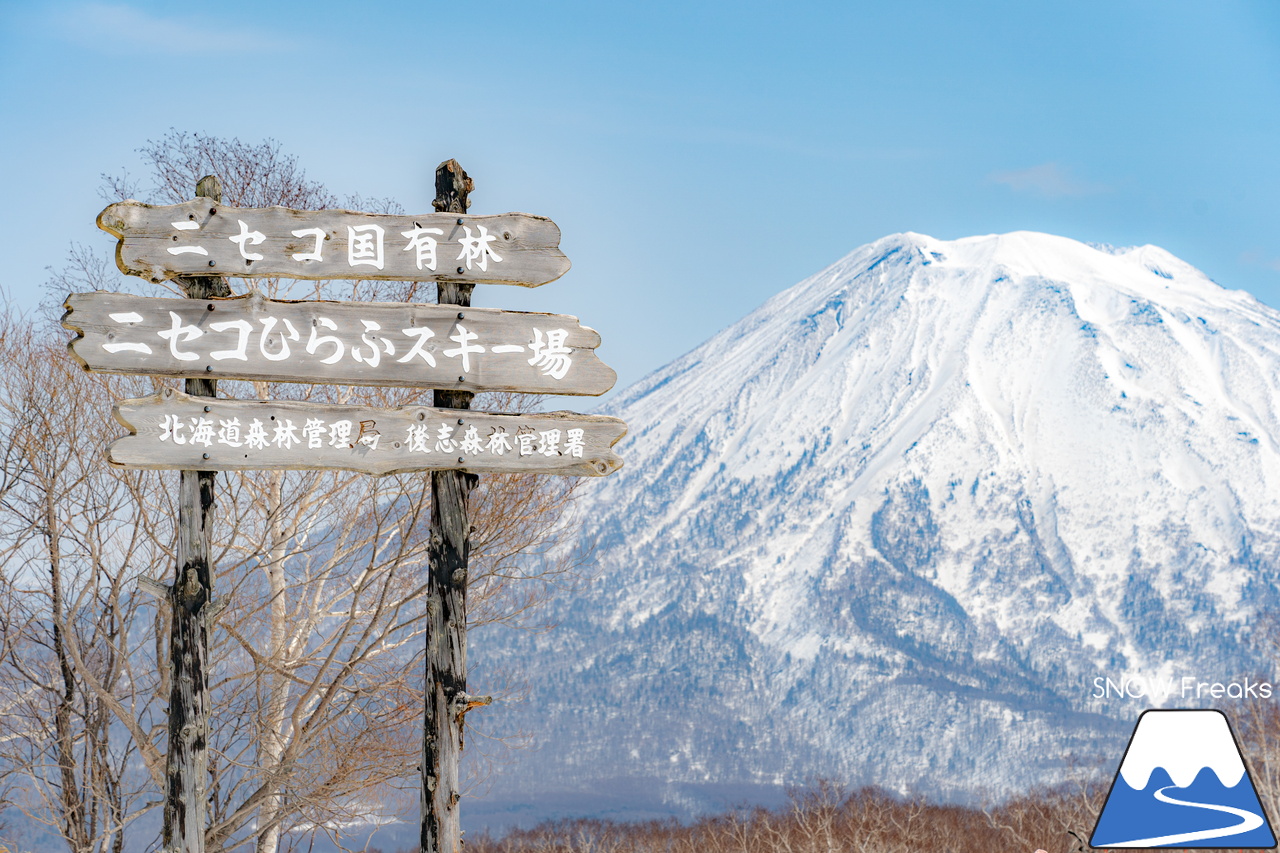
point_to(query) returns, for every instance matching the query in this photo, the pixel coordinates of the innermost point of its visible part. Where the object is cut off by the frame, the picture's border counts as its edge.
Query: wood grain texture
(186, 815)
(201, 237)
(168, 433)
(369, 343)
(448, 555)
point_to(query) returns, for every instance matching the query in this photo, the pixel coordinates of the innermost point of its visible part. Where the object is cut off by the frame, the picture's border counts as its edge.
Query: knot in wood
(464, 702)
(191, 586)
(459, 577)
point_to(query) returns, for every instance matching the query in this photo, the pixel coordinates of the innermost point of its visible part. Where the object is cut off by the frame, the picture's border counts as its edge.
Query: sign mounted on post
(450, 347)
(202, 237)
(343, 343)
(172, 430)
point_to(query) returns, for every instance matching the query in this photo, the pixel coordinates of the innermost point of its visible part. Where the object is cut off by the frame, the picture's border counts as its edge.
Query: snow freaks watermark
(1188, 687)
(1183, 783)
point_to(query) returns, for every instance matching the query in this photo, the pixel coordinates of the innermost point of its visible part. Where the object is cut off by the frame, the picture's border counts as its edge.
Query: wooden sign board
(172, 430)
(342, 343)
(202, 237)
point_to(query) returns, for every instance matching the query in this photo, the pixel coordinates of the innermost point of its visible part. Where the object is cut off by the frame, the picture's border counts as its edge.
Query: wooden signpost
(175, 430)
(450, 347)
(201, 237)
(343, 343)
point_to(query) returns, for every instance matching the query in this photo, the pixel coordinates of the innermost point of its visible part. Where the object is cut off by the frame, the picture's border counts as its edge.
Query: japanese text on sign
(284, 433)
(201, 237)
(172, 430)
(357, 343)
(278, 340)
(366, 245)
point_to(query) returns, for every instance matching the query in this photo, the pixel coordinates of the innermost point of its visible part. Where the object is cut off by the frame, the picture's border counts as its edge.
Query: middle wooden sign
(338, 343)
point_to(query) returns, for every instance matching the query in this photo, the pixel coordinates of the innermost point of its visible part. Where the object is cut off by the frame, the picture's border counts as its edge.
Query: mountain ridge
(888, 525)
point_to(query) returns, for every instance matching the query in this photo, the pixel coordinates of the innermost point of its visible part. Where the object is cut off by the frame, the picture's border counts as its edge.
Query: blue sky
(698, 157)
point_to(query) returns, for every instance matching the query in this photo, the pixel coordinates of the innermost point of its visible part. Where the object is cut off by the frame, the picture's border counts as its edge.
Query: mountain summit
(889, 528)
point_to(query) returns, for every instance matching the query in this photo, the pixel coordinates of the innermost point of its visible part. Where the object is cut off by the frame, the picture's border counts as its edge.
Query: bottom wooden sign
(172, 430)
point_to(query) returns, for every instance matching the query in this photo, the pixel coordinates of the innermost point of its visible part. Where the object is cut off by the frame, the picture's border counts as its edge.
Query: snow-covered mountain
(890, 526)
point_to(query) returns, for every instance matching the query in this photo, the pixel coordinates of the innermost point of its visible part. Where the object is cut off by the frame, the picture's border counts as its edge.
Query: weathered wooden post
(445, 689)
(190, 597)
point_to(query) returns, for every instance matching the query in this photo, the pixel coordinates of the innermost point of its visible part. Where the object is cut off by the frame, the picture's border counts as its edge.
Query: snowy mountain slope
(890, 525)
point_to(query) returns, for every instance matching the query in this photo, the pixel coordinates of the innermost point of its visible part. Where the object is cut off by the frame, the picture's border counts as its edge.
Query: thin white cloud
(1048, 180)
(1258, 258)
(116, 27)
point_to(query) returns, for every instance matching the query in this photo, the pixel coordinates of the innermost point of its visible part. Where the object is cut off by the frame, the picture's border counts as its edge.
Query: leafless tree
(1257, 721)
(316, 657)
(70, 539)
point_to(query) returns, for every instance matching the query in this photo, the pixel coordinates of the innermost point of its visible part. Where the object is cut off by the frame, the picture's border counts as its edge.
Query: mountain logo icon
(1183, 783)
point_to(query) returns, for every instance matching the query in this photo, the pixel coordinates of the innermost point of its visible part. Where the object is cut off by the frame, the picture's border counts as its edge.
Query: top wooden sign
(203, 237)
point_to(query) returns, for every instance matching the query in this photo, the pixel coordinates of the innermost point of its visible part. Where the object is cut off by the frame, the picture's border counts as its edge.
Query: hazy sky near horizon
(698, 157)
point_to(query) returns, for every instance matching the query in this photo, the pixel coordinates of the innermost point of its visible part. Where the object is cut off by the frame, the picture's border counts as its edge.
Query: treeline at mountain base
(828, 818)
(825, 818)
